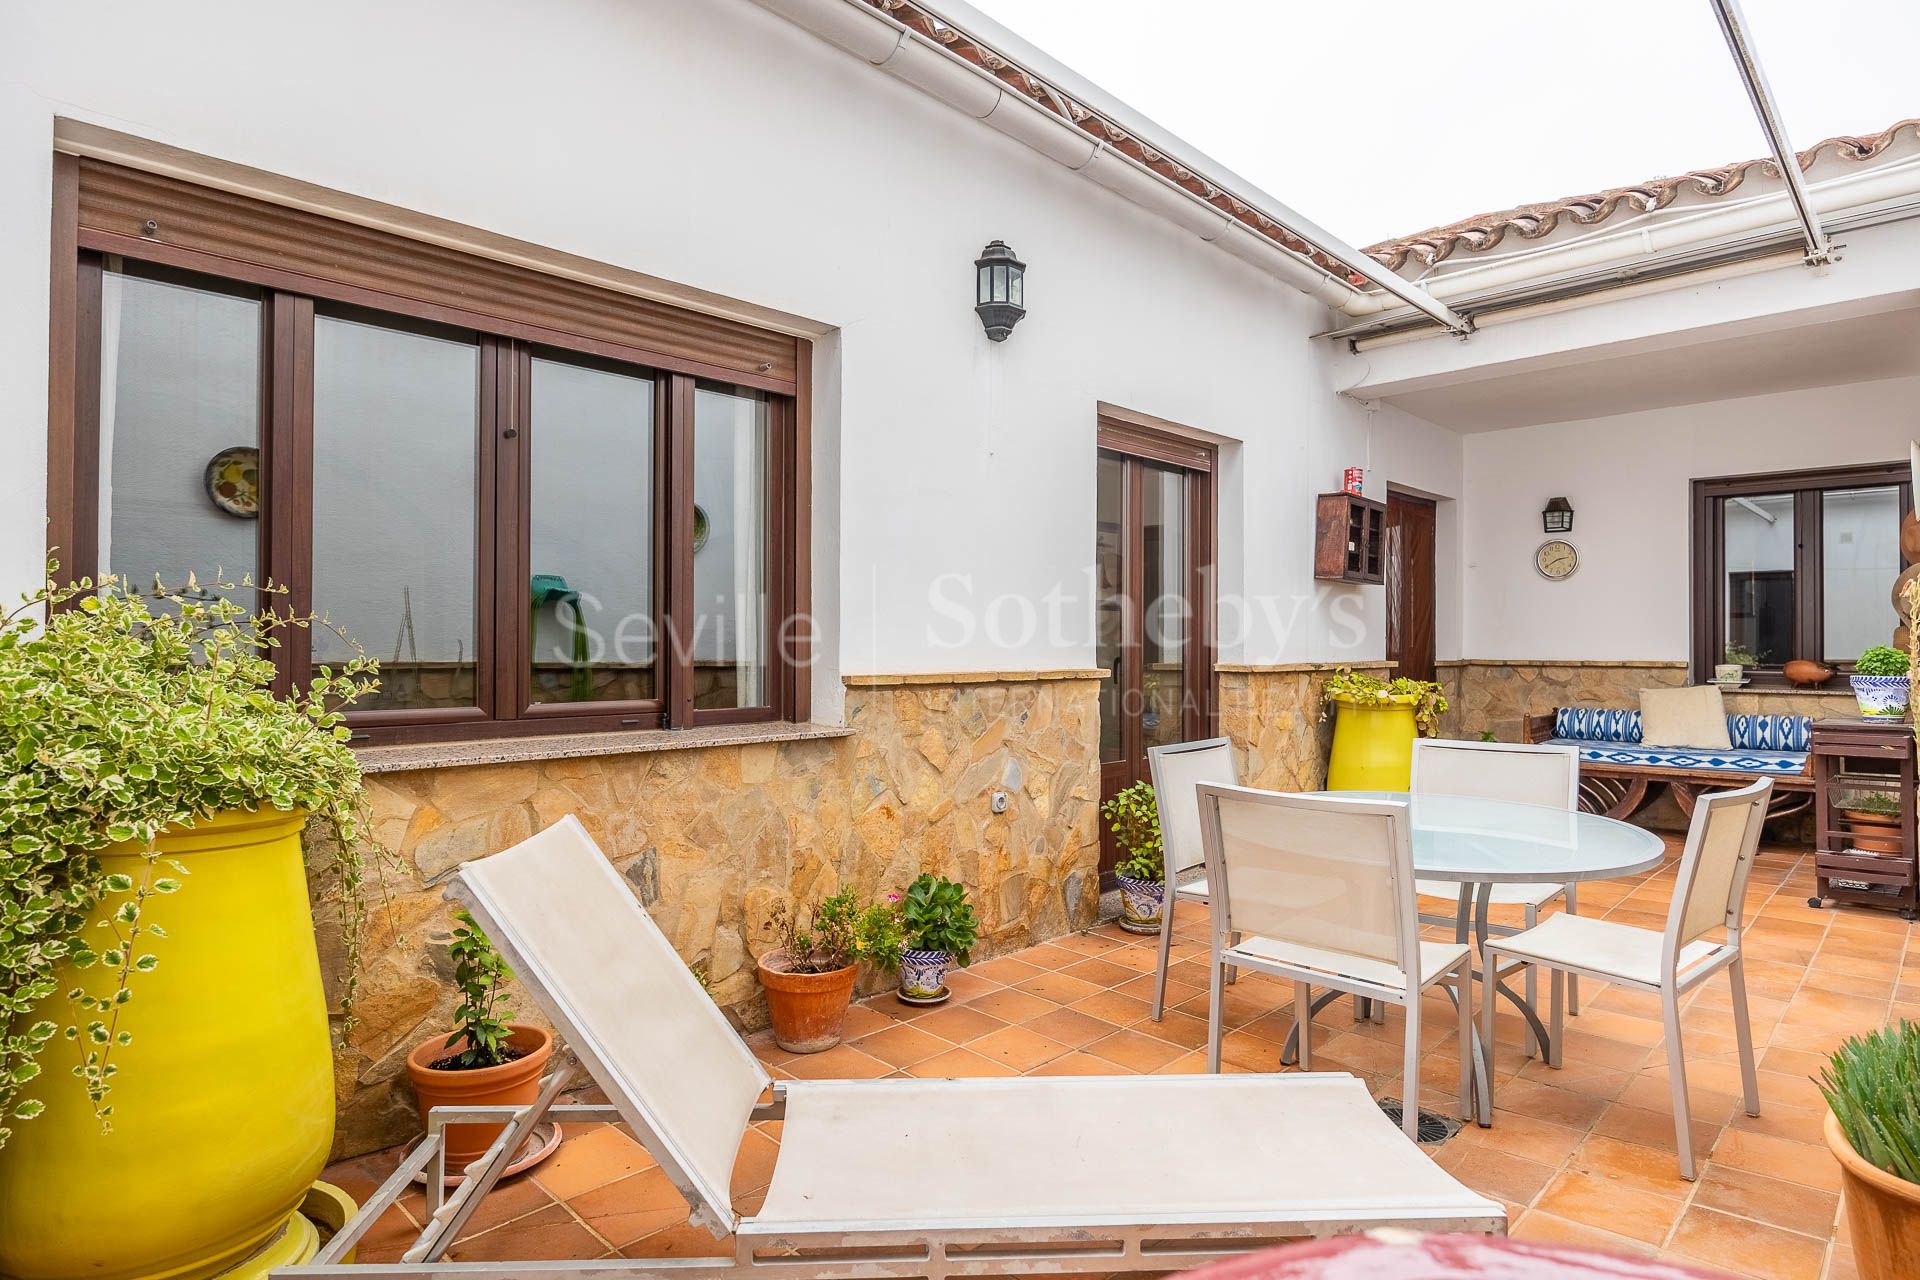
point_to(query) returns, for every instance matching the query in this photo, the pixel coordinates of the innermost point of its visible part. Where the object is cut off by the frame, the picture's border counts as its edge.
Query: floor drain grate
(1433, 1126)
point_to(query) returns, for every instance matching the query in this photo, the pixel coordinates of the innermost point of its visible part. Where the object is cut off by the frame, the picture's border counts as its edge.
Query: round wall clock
(1556, 560)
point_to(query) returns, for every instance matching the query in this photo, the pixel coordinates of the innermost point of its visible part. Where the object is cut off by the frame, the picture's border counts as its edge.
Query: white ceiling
(1857, 349)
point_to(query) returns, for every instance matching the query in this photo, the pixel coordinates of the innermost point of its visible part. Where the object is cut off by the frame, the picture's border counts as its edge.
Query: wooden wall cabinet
(1347, 534)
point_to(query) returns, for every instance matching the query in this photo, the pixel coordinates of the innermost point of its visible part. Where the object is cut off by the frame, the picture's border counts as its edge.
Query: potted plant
(1141, 871)
(940, 928)
(1872, 1086)
(1880, 683)
(163, 1026)
(809, 977)
(1375, 725)
(1872, 819)
(487, 1061)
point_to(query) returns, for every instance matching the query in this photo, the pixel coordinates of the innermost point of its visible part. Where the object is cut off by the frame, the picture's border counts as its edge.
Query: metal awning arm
(1746, 59)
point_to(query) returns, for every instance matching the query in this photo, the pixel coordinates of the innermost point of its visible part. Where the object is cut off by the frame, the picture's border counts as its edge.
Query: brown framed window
(1795, 564)
(533, 530)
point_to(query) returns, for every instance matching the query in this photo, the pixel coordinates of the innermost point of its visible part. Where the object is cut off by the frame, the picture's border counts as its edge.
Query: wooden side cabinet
(1347, 533)
(1858, 767)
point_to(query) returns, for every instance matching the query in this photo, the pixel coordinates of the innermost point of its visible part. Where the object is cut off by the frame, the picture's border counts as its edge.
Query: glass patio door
(1153, 549)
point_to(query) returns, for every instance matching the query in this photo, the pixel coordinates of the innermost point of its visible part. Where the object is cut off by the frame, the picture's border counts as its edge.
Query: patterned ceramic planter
(923, 976)
(1140, 904)
(1881, 697)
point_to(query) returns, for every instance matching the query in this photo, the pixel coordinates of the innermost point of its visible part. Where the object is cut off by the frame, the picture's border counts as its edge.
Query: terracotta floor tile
(753, 1164)
(1080, 1064)
(682, 1240)
(1101, 973)
(959, 1064)
(551, 1233)
(1649, 1128)
(1059, 988)
(1112, 1008)
(1019, 1048)
(1141, 988)
(1748, 1248)
(1786, 1205)
(1010, 1005)
(1607, 1205)
(590, 1158)
(1631, 1165)
(624, 1211)
(863, 1019)
(1175, 1027)
(1547, 1101)
(902, 1045)
(1007, 970)
(1075, 1030)
(1134, 1051)
(842, 1062)
(1526, 1136)
(1496, 1173)
(1795, 1124)
(1548, 1228)
(959, 1023)
(1762, 1153)
(965, 986)
(1050, 956)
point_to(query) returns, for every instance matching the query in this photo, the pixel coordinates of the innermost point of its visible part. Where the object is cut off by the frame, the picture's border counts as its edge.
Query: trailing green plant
(123, 714)
(1880, 803)
(938, 917)
(480, 1019)
(1740, 657)
(1429, 699)
(842, 931)
(1873, 1085)
(1136, 828)
(1882, 660)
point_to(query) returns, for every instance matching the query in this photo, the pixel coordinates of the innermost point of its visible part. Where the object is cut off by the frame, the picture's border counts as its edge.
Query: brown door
(1153, 551)
(1409, 566)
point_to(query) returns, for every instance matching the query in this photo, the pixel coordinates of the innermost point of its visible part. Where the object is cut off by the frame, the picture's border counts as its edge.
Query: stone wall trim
(563, 746)
(1285, 668)
(905, 679)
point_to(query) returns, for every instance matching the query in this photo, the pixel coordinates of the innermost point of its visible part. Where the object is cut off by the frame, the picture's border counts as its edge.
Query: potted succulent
(940, 929)
(1872, 819)
(1141, 871)
(1375, 725)
(163, 1025)
(1880, 683)
(1872, 1086)
(809, 977)
(487, 1061)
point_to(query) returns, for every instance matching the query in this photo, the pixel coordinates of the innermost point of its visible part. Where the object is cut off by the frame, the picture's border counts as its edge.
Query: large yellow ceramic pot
(223, 1102)
(1372, 744)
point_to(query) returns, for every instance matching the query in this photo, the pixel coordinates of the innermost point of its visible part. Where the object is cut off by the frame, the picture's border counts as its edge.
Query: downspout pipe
(870, 34)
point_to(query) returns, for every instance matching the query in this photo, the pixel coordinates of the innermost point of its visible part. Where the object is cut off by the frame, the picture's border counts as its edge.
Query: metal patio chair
(1522, 773)
(1177, 772)
(892, 1178)
(1708, 894)
(1320, 890)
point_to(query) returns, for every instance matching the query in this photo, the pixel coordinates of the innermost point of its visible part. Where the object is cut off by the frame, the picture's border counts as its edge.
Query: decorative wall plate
(701, 526)
(233, 481)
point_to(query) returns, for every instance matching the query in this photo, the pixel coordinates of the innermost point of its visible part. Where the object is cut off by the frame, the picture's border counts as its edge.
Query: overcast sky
(1379, 118)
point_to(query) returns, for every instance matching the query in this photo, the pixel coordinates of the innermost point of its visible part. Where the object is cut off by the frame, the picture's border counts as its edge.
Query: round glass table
(1478, 843)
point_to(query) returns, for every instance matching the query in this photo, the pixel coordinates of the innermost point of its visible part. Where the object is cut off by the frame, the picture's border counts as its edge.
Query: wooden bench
(1621, 788)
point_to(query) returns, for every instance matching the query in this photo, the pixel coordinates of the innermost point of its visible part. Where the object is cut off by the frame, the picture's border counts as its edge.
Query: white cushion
(1435, 958)
(1690, 717)
(1504, 895)
(1599, 946)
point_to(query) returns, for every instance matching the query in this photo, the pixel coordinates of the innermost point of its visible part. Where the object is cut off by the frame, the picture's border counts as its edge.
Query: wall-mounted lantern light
(1557, 516)
(1000, 293)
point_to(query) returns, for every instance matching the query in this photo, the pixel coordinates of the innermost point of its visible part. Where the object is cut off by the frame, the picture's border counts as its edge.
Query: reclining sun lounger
(897, 1178)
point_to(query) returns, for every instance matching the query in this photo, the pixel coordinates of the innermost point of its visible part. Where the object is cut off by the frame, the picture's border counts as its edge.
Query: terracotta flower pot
(1883, 1212)
(809, 1010)
(1873, 832)
(513, 1083)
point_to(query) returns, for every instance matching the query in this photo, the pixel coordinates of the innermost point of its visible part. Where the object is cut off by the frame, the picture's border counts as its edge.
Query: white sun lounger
(897, 1178)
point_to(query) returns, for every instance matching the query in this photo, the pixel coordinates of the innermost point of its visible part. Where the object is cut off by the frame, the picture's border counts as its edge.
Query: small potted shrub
(809, 977)
(1880, 683)
(1872, 818)
(1375, 724)
(1141, 872)
(940, 929)
(1872, 1086)
(487, 1061)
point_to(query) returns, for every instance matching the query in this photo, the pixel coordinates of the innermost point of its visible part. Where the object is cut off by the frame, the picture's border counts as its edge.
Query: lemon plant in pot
(1872, 1086)
(159, 979)
(809, 977)
(487, 1061)
(1141, 871)
(940, 929)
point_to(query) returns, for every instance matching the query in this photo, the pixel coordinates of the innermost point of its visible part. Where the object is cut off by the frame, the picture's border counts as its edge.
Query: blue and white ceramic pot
(923, 975)
(1881, 697)
(1140, 904)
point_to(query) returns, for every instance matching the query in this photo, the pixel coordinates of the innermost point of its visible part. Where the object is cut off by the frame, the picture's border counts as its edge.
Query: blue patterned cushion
(1771, 733)
(1735, 761)
(1596, 724)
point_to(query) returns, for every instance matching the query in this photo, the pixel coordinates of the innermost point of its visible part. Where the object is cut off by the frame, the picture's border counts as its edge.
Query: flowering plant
(841, 931)
(1428, 699)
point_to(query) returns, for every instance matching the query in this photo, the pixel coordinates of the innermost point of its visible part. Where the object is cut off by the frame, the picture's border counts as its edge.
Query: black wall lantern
(1557, 516)
(1000, 290)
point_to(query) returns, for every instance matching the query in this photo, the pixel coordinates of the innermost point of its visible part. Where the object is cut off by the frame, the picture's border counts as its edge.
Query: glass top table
(1471, 841)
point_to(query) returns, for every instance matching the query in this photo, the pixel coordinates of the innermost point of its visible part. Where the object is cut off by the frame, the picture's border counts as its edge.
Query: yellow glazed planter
(1372, 744)
(223, 1103)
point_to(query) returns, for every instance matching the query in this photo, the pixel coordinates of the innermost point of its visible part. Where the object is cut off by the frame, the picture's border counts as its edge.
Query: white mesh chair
(1524, 774)
(1320, 890)
(1032, 1175)
(1178, 771)
(1707, 896)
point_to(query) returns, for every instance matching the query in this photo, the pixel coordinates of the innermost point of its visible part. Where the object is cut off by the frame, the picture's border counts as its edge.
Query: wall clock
(1556, 560)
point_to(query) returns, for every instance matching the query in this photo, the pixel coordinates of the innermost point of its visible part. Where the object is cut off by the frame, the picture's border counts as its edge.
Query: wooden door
(1153, 542)
(1410, 539)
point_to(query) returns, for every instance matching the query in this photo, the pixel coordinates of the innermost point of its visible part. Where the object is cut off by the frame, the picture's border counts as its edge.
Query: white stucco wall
(1628, 478)
(716, 146)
